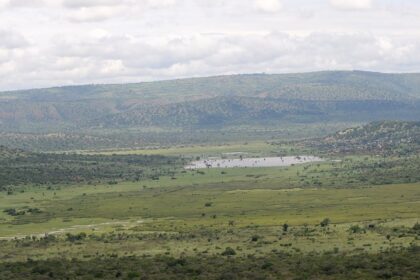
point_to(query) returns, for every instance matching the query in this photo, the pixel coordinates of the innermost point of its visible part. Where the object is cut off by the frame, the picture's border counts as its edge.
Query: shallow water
(252, 162)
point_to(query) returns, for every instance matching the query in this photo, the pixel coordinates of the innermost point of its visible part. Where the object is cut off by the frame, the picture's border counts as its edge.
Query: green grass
(178, 212)
(249, 194)
(253, 148)
(209, 210)
(259, 206)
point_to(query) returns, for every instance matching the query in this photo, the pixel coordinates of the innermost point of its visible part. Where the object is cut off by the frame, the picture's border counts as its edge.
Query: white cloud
(269, 6)
(113, 58)
(56, 42)
(351, 4)
(12, 40)
(76, 4)
(26, 3)
(101, 57)
(100, 10)
(21, 3)
(161, 3)
(95, 13)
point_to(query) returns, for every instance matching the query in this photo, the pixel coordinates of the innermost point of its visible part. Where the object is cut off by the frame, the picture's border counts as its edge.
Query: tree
(325, 222)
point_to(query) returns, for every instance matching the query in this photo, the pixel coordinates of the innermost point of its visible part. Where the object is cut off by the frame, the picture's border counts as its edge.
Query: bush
(132, 275)
(229, 252)
(355, 229)
(255, 238)
(75, 237)
(325, 222)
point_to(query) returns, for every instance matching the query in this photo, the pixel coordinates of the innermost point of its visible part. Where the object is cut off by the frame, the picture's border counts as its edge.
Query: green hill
(319, 96)
(390, 137)
(327, 85)
(222, 111)
(91, 114)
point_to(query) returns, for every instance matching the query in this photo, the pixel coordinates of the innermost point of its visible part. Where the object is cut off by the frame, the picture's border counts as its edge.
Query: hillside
(222, 108)
(326, 85)
(221, 111)
(216, 111)
(217, 101)
(9, 154)
(390, 137)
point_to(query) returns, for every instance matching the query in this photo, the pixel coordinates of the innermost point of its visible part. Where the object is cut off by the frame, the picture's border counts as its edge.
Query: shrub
(255, 238)
(325, 222)
(228, 252)
(355, 229)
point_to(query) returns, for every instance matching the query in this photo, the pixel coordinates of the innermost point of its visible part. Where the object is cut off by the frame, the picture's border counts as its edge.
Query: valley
(203, 196)
(209, 140)
(341, 206)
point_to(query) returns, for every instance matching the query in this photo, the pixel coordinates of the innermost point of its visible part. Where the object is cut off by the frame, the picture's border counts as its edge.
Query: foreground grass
(347, 217)
(397, 264)
(180, 220)
(344, 191)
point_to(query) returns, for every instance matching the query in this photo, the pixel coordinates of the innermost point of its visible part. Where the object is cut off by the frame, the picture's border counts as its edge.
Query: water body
(252, 162)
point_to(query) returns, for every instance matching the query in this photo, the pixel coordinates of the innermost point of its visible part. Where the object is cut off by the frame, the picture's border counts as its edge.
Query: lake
(252, 162)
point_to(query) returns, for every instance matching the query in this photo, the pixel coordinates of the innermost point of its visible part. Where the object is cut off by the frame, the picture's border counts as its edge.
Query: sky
(47, 43)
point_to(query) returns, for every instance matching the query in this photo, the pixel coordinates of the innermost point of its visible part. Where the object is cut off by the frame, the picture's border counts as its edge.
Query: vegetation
(191, 110)
(116, 202)
(150, 139)
(379, 138)
(400, 264)
(328, 220)
(18, 168)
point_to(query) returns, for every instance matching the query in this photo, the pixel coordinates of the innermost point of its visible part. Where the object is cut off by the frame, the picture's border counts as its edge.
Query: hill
(217, 100)
(388, 137)
(325, 85)
(197, 109)
(222, 111)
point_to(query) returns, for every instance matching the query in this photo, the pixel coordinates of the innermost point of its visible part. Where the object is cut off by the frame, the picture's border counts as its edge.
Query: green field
(224, 150)
(253, 148)
(347, 206)
(225, 206)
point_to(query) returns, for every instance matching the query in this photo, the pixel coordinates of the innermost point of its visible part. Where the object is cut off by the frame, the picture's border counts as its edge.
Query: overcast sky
(62, 42)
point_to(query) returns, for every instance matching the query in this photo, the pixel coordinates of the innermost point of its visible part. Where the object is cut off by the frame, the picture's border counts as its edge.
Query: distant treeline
(19, 168)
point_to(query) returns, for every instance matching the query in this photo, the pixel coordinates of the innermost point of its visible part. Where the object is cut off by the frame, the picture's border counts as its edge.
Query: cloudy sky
(61, 42)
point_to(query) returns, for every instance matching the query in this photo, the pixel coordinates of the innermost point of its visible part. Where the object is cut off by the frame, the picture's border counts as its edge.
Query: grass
(256, 148)
(236, 190)
(203, 212)
(206, 211)
(258, 206)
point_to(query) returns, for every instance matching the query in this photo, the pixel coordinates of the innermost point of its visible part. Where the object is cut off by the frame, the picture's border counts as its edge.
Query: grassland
(358, 205)
(228, 206)
(255, 148)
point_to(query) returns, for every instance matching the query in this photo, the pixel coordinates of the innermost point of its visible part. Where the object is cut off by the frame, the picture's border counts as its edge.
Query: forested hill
(388, 137)
(8, 154)
(222, 100)
(327, 85)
